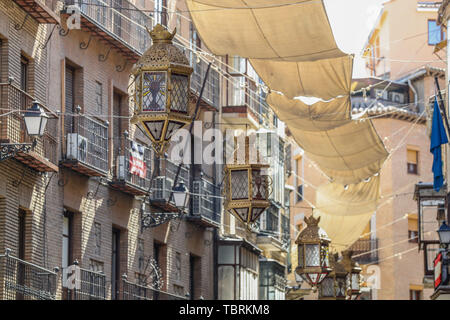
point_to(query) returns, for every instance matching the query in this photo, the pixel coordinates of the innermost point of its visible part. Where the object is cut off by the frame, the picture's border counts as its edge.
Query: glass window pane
(226, 281)
(226, 255)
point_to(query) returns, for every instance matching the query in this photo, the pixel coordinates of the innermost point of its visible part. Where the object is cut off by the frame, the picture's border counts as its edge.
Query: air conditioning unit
(77, 146)
(381, 94)
(398, 97)
(162, 187)
(120, 168)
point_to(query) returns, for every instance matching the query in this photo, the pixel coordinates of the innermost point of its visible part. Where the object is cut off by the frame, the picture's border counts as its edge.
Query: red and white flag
(137, 164)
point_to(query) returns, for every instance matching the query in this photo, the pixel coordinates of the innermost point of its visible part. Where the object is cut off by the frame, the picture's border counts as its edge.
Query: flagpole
(442, 106)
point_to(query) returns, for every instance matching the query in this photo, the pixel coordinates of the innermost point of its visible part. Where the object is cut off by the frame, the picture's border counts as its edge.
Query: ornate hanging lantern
(313, 262)
(161, 89)
(246, 188)
(334, 286)
(353, 276)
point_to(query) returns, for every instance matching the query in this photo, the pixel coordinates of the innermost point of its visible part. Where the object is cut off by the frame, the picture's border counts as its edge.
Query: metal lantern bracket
(154, 219)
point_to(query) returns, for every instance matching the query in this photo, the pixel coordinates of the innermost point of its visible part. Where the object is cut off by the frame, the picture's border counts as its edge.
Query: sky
(351, 22)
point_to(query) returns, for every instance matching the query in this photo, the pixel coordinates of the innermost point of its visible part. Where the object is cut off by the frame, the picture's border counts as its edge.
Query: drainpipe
(415, 93)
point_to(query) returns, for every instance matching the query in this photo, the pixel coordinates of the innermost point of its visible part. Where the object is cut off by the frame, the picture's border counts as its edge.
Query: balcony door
(69, 99)
(117, 123)
(115, 264)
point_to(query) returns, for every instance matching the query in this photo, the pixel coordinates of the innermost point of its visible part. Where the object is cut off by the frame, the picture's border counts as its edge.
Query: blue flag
(438, 137)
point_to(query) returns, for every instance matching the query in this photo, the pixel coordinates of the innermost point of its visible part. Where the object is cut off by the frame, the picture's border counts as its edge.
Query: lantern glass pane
(340, 287)
(172, 127)
(155, 128)
(43, 125)
(242, 213)
(313, 277)
(256, 212)
(259, 185)
(179, 93)
(154, 91)
(312, 256)
(301, 263)
(33, 125)
(324, 255)
(327, 287)
(355, 281)
(239, 184)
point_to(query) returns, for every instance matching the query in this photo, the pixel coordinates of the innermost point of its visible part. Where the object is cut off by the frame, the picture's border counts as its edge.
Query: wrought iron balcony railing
(133, 291)
(86, 145)
(41, 10)
(13, 103)
(365, 251)
(90, 286)
(22, 280)
(132, 167)
(211, 92)
(121, 20)
(206, 201)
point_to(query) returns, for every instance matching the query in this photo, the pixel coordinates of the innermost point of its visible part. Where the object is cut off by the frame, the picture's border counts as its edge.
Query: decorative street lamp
(161, 89)
(246, 188)
(334, 286)
(180, 196)
(35, 122)
(353, 276)
(313, 261)
(444, 235)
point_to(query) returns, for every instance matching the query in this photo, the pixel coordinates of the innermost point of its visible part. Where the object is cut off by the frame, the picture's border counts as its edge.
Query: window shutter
(412, 156)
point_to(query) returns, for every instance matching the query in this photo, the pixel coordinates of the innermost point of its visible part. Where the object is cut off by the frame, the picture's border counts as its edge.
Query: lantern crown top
(161, 34)
(312, 232)
(162, 54)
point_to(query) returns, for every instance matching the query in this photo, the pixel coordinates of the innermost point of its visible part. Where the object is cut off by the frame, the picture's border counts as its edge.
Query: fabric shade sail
(289, 30)
(347, 151)
(326, 79)
(346, 211)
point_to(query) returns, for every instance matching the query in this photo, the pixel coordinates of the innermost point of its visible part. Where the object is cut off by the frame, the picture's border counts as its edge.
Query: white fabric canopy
(345, 212)
(347, 151)
(289, 30)
(327, 78)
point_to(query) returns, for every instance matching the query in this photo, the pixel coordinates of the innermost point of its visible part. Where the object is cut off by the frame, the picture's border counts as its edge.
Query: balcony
(163, 182)
(133, 291)
(269, 236)
(211, 93)
(128, 176)
(86, 145)
(13, 101)
(91, 286)
(43, 11)
(205, 210)
(123, 29)
(22, 280)
(365, 251)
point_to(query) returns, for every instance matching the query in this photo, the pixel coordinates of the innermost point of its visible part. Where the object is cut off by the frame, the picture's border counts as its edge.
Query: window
(299, 193)
(99, 96)
(24, 63)
(413, 233)
(22, 234)
(98, 238)
(115, 264)
(177, 266)
(415, 294)
(67, 242)
(178, 14)
(435, 33)
(412, 159)
(96, 266)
